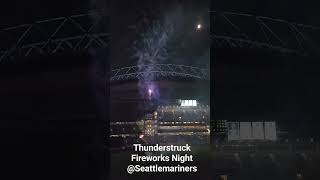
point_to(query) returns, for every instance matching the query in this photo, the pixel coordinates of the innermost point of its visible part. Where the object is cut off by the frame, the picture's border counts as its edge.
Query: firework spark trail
(152, 51)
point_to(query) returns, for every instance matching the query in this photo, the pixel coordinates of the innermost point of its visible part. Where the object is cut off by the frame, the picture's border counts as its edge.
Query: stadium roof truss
(228, 29)
(72, 33)
(159, 70)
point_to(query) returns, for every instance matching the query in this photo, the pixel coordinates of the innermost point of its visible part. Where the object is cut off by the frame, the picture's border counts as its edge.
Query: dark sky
(131, 19)
(304, 12)
(17, 12)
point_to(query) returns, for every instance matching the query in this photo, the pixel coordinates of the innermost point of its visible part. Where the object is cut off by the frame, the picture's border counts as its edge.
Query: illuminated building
(185, 122)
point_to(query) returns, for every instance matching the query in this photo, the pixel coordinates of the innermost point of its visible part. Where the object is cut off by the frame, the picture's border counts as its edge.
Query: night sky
(133, 18)
(304, 12)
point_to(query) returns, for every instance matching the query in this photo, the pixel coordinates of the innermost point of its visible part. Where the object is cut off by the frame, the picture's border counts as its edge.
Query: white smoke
(152, 49)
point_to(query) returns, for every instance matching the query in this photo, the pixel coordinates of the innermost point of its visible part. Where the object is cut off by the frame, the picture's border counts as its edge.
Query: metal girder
(157, 71)
(230, 29)
(73, 33)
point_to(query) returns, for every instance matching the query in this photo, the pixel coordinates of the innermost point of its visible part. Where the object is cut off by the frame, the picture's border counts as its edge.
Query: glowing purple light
(150, 92)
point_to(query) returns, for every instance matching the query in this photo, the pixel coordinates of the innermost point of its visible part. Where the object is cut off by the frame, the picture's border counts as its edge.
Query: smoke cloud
(153, 49)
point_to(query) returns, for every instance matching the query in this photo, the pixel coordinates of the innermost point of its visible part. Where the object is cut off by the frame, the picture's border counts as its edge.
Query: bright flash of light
(141, 136)
(150, 92)
(199, 26)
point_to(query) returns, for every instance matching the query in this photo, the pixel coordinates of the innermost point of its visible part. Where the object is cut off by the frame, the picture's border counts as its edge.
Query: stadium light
(188, 103)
